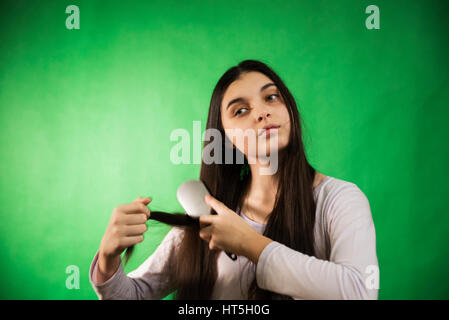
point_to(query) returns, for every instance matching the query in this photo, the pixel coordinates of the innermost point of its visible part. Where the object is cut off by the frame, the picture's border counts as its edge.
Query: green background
(86, 117)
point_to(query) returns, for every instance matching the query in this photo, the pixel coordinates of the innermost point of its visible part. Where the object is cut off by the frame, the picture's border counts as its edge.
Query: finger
(204, 224)
(135, 230)
(129, 241)
(208, 219)
(206, 237)
(212, 245)
(132, 219)
(218, 206)
(144, 200)
(134, 207)
(206, 232)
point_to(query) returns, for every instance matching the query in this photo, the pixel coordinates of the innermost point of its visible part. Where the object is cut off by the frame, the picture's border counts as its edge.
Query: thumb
(143, 200)
(218, 206)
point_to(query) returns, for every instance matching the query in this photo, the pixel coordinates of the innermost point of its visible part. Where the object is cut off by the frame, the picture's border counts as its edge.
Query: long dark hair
(194, 266)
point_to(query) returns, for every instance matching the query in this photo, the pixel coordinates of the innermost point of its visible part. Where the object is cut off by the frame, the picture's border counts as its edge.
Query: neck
(263, 187)
(261, 194)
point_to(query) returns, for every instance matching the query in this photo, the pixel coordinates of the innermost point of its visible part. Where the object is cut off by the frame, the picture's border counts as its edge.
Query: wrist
(107, 264)
(254, 246)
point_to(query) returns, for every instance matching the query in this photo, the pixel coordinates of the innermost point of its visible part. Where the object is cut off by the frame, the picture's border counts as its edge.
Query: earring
(244, 171)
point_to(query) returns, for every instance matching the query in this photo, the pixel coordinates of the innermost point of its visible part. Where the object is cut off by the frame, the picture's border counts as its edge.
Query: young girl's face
(254, 102)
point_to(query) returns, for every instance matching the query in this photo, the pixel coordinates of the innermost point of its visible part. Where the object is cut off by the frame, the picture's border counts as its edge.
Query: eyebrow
(241, 99)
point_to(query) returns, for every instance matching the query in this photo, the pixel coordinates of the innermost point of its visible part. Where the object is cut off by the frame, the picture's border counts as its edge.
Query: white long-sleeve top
(351, 271)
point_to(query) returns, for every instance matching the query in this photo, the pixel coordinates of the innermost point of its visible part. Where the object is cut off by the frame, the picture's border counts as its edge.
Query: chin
(277, 150)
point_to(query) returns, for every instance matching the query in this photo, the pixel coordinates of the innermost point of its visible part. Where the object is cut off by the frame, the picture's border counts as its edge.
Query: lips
(267, 129)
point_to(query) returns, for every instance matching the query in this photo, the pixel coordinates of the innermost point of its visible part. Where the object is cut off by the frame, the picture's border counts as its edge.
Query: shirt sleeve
(149, 281)
(351, 273)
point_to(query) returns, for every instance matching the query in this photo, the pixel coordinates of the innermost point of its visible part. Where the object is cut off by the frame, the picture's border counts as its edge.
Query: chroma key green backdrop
(86, 117)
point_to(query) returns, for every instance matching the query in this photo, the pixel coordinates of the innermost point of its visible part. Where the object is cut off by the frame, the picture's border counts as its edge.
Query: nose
(264, 114)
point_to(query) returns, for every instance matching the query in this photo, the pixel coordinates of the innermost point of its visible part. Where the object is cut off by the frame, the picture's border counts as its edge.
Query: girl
(297, 233)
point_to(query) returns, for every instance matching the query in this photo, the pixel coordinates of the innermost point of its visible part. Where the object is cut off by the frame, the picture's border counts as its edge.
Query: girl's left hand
(226, 230)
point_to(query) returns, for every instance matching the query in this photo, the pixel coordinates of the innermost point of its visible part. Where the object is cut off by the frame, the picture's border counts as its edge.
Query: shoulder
(335, 189)
(340, 197)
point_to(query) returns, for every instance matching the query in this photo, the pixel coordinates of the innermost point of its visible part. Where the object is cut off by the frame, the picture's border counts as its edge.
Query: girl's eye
(271, 95)
(238, 111)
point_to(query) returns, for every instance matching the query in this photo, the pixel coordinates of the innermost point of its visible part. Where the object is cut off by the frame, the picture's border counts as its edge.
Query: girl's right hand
(126, 228)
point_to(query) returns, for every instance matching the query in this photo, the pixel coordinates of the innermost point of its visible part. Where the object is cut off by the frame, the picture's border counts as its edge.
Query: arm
(106, 267)
(254, 246)
(148, 281)
(353, 250)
